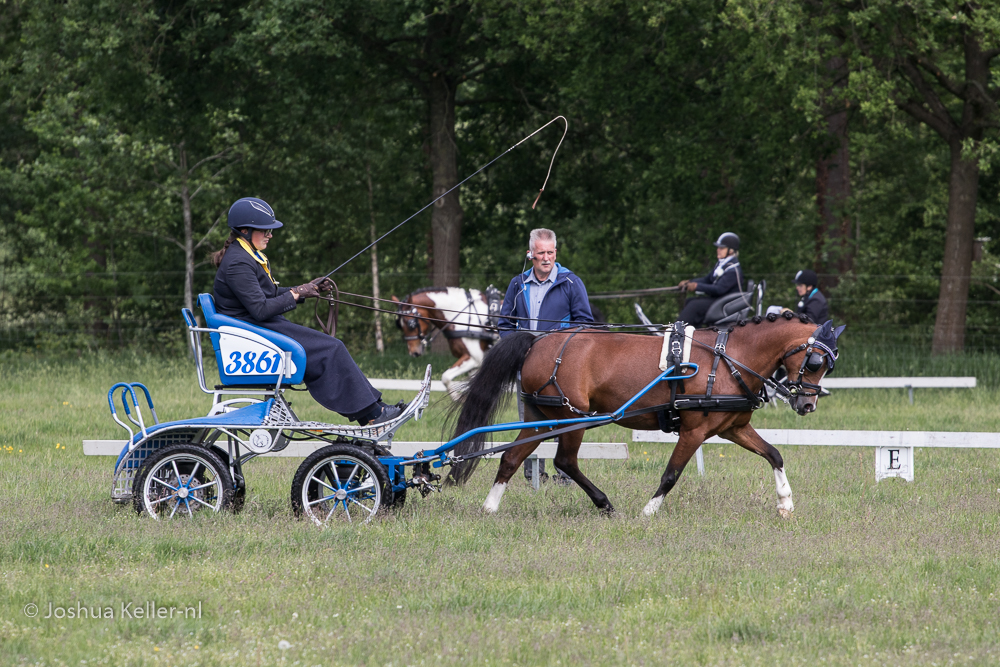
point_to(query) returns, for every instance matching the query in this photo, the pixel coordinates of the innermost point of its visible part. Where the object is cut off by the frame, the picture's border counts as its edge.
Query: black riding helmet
(728, 240)
(253, 213)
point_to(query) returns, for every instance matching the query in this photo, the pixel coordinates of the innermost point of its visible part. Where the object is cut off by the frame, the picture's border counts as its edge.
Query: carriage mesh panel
(280, 417)
(121, 488)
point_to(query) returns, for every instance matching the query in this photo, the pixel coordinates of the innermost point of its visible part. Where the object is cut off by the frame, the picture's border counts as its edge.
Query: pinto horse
(461, 314)
(599, 371)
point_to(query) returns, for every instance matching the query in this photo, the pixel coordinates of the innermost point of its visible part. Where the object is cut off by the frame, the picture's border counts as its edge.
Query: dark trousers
(331, 376)
(694, 310)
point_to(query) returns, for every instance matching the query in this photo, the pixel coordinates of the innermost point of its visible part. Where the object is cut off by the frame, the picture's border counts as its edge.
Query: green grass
(866, 573)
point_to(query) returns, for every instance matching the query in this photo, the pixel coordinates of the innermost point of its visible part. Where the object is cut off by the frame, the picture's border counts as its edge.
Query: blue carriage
(181, 467)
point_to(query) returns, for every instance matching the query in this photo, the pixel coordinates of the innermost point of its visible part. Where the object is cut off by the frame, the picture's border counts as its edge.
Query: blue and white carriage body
(249, 415)
(190, 464)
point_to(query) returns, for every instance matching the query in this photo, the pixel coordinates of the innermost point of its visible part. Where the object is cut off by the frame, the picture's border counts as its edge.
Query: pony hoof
(785, 514)
(608, 511)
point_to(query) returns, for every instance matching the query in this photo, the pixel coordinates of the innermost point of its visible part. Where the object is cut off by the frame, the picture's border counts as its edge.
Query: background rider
(725, 278)
(811, 300)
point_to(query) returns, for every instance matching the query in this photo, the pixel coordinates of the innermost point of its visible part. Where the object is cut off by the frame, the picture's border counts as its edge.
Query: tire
(340, 483)
(204, 483)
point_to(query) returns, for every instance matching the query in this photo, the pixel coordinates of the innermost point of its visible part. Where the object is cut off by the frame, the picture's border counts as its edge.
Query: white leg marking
(454, 388)
(785, 504)
(653, 505)
(492, 503)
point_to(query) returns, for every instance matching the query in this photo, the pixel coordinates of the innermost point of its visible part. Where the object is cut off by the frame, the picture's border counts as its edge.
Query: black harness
(668, 414)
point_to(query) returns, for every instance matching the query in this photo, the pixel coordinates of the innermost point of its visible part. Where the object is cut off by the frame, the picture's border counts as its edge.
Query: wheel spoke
(176, 471)
(371, 512)
(353, 473)
(157, 502)
(194, 471)
(196, 488)
(321, 482)
(317, 502)
(332, 510)
(197, 499)
(178, 504)
(336, 476)
(187, 506)
(163, 482)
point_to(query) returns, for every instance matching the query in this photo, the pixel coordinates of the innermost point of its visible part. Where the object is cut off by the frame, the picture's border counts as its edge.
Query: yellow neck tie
(259, 257)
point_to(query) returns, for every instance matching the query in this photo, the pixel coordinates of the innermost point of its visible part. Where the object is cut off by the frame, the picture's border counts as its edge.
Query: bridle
(408, 317)
(816, 355)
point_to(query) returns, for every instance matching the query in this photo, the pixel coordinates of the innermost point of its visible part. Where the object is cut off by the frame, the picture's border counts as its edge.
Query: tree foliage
(126, 130)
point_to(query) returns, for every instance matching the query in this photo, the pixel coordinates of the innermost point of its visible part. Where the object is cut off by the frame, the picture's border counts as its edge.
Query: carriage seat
(734, 307)
(247, 355)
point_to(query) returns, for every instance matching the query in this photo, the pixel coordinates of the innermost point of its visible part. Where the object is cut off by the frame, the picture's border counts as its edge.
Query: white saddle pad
(665, 349)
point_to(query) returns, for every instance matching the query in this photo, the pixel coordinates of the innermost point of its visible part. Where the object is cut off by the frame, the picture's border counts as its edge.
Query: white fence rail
(893, 449)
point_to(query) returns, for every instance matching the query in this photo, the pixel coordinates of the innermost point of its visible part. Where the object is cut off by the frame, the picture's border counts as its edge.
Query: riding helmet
(728, 240)
(806, 277)
(252, 212)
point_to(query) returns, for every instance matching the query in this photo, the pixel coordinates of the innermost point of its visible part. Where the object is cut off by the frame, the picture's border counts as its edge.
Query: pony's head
(414, 325)
(807, 363)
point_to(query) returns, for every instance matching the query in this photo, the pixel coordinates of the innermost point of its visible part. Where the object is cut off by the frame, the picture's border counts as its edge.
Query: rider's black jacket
(243, 289)
(723, 280)
(815, 306)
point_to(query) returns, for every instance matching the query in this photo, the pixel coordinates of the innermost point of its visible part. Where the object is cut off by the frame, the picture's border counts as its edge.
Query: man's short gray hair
(541, 234)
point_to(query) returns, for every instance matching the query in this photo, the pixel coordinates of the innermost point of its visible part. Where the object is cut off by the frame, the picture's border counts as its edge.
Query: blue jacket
(565, 303)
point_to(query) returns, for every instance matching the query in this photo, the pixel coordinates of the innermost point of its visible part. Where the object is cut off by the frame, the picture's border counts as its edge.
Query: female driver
(246, 290)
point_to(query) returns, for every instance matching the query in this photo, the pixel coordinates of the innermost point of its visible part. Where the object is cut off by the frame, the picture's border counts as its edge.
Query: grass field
(864, 574)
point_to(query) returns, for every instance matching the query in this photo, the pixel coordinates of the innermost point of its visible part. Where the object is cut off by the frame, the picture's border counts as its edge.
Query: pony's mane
(757, 319)
(425, 289)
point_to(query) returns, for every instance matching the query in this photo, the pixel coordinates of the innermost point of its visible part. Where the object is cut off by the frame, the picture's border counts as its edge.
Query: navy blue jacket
(815, 306)
(244, 291)
(729, 281)
(566, 302)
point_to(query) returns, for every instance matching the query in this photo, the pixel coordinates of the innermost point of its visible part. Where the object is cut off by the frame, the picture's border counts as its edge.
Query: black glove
(323, 284)
(306, 291)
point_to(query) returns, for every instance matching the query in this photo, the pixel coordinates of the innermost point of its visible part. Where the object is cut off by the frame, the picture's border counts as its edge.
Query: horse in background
(599, 372)
(462, 315)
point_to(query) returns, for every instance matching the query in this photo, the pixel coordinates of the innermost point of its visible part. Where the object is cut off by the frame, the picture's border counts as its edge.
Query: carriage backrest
(248, 355)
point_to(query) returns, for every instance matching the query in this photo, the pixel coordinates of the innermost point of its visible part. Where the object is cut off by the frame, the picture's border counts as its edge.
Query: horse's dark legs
(566, 460)
(745, 436)
(687, 444)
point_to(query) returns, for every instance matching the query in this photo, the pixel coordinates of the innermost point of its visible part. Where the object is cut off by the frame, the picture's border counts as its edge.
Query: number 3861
(248, 363)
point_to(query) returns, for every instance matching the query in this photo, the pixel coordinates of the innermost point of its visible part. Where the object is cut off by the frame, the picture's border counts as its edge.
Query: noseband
(816, 354)
(409, 319)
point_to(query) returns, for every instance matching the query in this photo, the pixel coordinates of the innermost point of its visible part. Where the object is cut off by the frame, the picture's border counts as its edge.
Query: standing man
(547, 296)
(725, 278)
(811, 300)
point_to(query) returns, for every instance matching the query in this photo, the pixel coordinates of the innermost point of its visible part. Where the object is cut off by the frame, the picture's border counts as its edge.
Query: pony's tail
(486, 395)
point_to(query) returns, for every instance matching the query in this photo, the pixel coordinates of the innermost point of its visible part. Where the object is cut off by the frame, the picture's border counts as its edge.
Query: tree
(932, 62)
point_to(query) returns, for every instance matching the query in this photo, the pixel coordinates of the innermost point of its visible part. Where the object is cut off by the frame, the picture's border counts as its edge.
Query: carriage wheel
(340, 483)
(180, 480)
